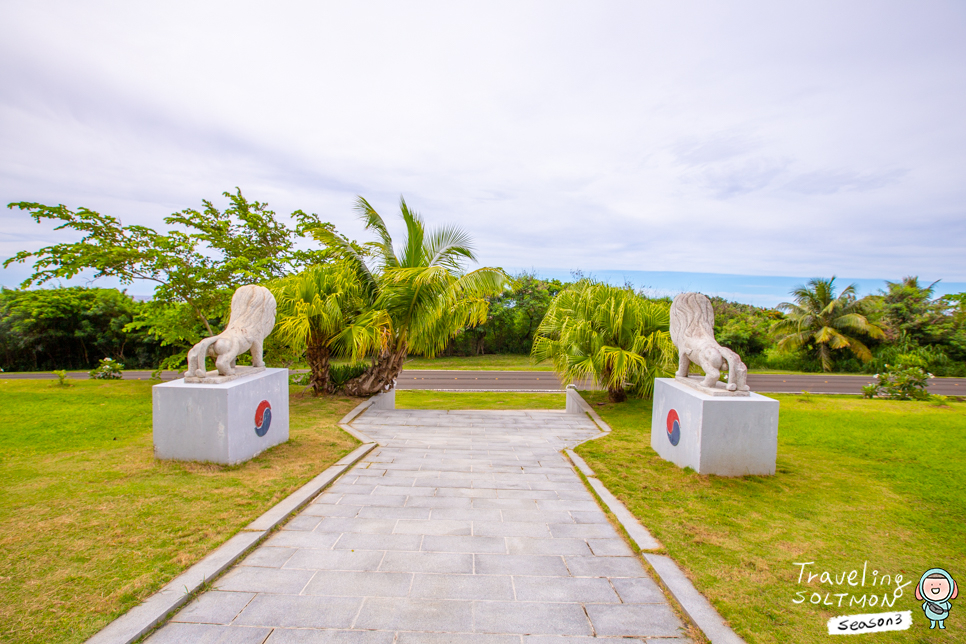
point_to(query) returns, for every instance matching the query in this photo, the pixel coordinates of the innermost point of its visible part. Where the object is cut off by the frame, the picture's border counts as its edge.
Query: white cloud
(758, 138)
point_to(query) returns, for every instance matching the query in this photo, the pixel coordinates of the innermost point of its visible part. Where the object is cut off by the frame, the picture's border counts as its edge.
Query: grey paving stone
(309, 559)
(329, 510)
(476, 587)
(268, 557)
(605, 567)
(328, 636)
(415, 615)
(526, 494)
(393, 513)
(439, 502)
(443, 483)
(175, 633)
(530, 565)
(530, 618)
(265, 580)
(305, 522)
(443, 543)
(455, 638)
(214, 607)
(510, 529)
(406, 542)
(565, 589)
(448, 527)
(476, 493)
(583, 530)
(506, 483)
(575, 494)
(356, 524)
(567, 505)
(589, 517)
(428, 562)
(466, 514)
(641, 590)
(645, 620)
(610, 548)
(297, 539)
(352, 488)
(300, 611)
(508, 504)
(537, 516)
(370, 500)
(359, 584)
(530, 546)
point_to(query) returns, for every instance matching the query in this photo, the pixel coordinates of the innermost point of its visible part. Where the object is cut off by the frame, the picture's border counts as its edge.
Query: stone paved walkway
(462, 527)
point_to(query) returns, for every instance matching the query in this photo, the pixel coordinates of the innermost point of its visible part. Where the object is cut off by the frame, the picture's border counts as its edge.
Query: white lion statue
(252, 319)
(692, 332)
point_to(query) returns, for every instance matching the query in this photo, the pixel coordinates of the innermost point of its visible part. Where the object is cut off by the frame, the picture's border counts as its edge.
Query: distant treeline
(73, 328)
(917, 328)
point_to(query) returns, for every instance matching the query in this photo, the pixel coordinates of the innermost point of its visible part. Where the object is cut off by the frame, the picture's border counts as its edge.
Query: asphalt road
(547, 381)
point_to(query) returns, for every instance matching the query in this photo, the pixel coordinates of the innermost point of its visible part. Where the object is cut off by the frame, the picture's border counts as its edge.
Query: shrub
(108, 369)
(938, 401)
(62, 377)
(902, 382)
(343, 373)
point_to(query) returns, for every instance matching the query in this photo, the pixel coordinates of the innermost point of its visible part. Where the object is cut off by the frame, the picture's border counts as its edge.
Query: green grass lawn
(494, 362)
(91, 523)
(422, 399)
(858, 481)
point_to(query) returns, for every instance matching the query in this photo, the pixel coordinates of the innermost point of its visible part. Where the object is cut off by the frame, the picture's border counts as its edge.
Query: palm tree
(314, 309)
(825, 321)
(422, 291)
(610, 334)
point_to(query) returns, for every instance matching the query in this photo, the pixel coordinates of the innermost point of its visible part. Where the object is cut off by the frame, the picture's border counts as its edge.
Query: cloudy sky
(753, 138)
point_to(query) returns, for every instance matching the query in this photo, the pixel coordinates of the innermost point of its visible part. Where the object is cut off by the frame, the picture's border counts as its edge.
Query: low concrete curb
(138, 621)
(694, 604)
(697, 608)
(637, 532)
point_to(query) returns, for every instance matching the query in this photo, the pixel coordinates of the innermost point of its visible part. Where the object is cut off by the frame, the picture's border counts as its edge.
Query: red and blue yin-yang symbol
(673, 427)
(263, 418)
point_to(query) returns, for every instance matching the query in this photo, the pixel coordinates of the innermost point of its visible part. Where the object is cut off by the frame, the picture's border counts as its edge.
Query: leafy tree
(199, 263)
(909, 309)
(823, 322)
(512, 320)
(743, 328)
(71, 328)
(423, 291)
(610, 334)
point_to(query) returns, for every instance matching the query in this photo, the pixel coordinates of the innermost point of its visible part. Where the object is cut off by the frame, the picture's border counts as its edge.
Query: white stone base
(217, 422)
(723, 435)
(215, 378)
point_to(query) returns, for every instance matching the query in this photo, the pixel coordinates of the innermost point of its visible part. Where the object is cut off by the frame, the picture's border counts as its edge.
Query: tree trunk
(317, 355)
(380, 376)
(616, 395)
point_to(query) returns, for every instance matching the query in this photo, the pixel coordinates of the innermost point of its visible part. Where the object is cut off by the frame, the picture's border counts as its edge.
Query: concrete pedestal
(221, 423)
(727, 436)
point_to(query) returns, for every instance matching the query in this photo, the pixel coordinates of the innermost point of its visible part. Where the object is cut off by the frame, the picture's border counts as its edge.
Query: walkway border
(153, 611)
(694, 604)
